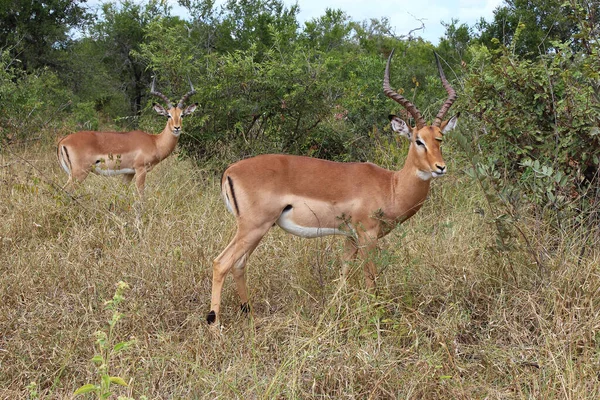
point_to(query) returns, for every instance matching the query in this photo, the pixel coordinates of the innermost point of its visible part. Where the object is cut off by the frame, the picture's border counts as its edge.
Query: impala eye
(419, 142)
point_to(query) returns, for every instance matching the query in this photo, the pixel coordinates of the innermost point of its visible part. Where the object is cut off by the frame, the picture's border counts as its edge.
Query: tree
(35, 31)
(543, 21)
(239, 25)
(118, 37)
(329, 32)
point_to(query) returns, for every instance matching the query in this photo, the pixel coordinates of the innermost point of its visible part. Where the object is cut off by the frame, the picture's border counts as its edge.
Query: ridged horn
(159, 94)
(187, 95)
(451, 94)
(410, 107)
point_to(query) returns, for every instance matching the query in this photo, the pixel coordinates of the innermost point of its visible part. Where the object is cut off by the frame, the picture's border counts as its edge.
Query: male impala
(310, 197)
(123, 153)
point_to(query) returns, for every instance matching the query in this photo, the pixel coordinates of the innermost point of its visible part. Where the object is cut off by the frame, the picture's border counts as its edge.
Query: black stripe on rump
(237, 209)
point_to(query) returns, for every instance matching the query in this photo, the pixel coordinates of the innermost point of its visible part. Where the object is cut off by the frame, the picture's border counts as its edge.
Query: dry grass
(452, 319)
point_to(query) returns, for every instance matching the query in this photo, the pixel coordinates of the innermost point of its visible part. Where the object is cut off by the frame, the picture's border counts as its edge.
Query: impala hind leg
(76, 176)
(127, 178)
(235, 255)
(239, 275)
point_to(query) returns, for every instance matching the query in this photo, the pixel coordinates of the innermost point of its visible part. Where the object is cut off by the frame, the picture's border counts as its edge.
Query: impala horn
(451, 94)
(187, 95)
(410, 107)
(159, 94)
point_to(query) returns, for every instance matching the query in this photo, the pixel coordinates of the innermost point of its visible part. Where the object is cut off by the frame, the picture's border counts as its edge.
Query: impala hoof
(211, 317)
(245, 308)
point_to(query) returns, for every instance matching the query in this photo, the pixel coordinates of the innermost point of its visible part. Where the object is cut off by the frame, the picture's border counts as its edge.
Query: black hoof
(211, 317)
(245, 308)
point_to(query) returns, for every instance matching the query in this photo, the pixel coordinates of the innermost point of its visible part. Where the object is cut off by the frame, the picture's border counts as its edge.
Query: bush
(31, 103)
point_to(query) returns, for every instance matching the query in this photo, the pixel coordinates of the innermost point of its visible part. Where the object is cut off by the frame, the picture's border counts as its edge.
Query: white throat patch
(423, 175)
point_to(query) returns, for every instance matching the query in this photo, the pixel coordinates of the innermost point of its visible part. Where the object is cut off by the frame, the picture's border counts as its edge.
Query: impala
(130, 154)
(310, 197)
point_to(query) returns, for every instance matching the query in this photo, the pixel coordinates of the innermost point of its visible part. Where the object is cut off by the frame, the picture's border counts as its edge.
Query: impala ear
(190, 109)
(160, 109)
(399, 126)
(450, 124)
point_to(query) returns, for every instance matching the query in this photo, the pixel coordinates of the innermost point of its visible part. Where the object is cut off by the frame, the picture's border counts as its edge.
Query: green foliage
(118, 37)
(250, 24)
(545, 22)
(544, 110)
(85, 116)
(537, 120)
(30, 103)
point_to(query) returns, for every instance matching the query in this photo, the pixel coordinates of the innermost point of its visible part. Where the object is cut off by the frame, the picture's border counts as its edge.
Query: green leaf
(97, 359)
(118, 380)
(86, 389)
(120, 346)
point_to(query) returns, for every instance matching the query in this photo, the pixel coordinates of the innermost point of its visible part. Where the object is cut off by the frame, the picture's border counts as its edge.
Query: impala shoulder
(375, 170)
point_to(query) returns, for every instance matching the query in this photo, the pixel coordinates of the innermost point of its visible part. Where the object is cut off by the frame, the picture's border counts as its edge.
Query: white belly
(113, 172)
(286, 223)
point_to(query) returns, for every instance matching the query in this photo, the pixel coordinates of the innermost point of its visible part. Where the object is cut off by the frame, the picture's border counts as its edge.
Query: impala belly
(113, 172)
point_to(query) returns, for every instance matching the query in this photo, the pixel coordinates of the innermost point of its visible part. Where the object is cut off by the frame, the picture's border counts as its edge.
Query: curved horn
(159, 94)
(410, 107)
(187, 95)
(451, 94)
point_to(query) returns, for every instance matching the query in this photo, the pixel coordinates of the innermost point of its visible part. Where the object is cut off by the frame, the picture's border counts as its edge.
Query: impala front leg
(367, 251)
(349, 255)
(140, 181)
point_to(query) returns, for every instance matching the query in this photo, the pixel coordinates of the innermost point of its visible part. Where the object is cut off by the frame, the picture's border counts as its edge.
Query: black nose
(441, 167)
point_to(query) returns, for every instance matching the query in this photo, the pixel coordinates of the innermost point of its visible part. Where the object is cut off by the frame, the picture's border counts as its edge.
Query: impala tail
(63, 158)
(228, 194)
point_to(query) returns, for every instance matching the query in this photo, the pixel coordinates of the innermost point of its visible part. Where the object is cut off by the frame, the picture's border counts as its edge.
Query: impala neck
(411, 188)
(412, 171)
(166, 142)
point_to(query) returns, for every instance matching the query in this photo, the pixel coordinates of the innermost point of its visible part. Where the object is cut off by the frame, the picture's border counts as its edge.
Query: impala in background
(309, 197)
(130, 154)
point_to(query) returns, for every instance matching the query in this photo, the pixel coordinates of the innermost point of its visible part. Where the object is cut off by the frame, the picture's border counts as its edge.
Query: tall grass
(453, 318)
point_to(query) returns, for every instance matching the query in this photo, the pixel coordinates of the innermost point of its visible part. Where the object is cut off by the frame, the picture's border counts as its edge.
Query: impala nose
(441, 168)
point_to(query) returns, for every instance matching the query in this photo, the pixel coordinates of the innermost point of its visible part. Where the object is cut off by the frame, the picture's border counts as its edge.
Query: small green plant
(106, 350)
(33, 391)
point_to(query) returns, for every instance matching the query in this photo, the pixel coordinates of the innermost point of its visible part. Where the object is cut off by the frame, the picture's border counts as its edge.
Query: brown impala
(310, 197)
(123, 153)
